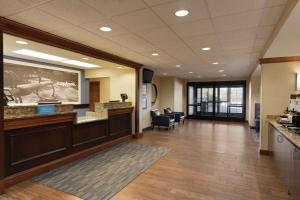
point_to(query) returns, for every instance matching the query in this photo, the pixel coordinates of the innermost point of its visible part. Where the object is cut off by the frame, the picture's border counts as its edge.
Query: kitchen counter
(291, 136)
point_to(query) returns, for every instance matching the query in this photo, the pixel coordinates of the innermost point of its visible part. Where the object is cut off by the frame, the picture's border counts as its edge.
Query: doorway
(217, 100)
(94, 94)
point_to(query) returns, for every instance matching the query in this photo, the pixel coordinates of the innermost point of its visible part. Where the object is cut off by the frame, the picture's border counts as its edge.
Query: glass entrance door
(217, 100)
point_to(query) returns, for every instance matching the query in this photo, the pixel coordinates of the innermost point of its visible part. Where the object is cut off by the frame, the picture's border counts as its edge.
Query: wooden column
(137, 104)
(2, 169)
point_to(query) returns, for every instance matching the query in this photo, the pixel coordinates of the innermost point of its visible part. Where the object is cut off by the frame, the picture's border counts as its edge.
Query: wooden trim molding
(137, 101)
(2, 153)
(12, 27)
(38, 121)
(138, 135)
(81, 106)
(265, 152)
(24, 175)
(119, 111)
(279, 59)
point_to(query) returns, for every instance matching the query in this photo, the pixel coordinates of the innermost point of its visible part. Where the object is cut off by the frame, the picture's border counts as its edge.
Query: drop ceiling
(235, 30)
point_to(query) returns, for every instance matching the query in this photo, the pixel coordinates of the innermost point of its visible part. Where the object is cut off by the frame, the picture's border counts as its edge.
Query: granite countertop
(82, 121)
(291, 136)
(36, 115)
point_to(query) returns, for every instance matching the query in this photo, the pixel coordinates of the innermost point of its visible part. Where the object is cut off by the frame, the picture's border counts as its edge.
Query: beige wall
(254, 94)
(113, 82)
(277, 84)
(178, 92)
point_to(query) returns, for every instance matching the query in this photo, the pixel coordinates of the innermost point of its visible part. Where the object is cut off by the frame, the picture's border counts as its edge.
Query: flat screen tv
(147, 75)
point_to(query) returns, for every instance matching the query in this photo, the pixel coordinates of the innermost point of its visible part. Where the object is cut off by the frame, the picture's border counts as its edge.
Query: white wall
(254, 94)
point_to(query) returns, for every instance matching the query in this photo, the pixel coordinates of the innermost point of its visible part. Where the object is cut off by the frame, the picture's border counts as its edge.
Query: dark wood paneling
(2, 173)
(137, 101)
(29, 147)
(120, 124)
(118, 111)
(279, 59)
(37, 120)
(79, 106)
(24, 175)
(30, 33)
(89, 134)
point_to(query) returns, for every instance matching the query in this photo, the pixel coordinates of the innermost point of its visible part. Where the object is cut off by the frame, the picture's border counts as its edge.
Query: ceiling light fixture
(221, 70)
(178, 66)
(21, 42)
(191, 72)
(85, 58)
(40, 55)
(181, 13)
(215, 63)
(120, 67)
(79, 63)
(155, 54)
(205, 48)
(164, 74)
(105, 29)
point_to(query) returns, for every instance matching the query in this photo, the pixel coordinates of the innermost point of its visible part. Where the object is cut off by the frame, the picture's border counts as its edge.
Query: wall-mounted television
(147, 75)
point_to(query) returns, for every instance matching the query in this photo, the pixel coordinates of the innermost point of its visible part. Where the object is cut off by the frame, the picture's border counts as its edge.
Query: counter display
(37, 143)
(284, 145)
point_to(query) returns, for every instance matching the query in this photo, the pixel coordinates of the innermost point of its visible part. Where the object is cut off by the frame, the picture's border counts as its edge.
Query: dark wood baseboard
(1, 187)
(265, 152)
(24, 175)
(137, 135)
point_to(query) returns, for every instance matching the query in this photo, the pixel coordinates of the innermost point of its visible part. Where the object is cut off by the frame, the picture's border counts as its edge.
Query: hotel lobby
(150, 100)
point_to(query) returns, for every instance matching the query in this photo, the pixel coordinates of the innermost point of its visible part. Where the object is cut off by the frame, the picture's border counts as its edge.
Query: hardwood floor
(207, 161)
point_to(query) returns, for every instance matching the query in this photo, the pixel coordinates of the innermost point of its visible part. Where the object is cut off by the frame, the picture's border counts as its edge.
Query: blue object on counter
(46, 109)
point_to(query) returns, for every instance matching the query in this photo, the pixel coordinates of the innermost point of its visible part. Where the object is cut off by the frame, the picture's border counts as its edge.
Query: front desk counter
(37, 143)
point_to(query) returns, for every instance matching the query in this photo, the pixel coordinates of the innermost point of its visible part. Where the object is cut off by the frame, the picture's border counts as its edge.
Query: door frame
(215, 84)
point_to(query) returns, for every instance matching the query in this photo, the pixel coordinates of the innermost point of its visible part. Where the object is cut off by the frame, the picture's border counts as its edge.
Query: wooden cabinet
(286, 158)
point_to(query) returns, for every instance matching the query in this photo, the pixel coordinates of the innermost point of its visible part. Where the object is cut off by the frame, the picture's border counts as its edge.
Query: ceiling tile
(228, 7)
(158, 34)
(12, 7)
(237, 44)
(170, 45)
(237, 52)
(156, 2)
(242, 34)
(37, 19)
(139, 20)
(112, 8)
(195, 28)
(238, 21)
(264, 31)
(133, 42)
(202, 41)
(72, 12)
(271, 15)
(270, 3)
(197, 10)
(95, 28)
(34, 2)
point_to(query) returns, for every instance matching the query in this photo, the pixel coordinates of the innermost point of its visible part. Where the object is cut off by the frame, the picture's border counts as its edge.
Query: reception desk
(38, 143)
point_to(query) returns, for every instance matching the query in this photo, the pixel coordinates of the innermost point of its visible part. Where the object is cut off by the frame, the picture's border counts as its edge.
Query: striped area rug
(100, 176)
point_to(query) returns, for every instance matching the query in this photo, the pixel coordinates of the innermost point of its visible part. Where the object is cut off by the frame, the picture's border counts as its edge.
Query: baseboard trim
(137, 135)
(24, 175)
(265, 152)
(147, 128)
(1, 187)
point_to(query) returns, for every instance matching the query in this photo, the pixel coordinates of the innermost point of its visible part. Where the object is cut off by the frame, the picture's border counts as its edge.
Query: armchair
(159, 120)
(179, 116)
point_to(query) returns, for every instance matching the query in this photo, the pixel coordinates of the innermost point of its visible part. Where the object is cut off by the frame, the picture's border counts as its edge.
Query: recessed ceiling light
(79, 63)
(120, 67)
(191, 72)
(205, 48)
(215, 63)
(21, 42)
(105, 28)
(181, 13)
(178, 66)
(155, 54)
(37, 54)
(221, 70)
(164, 74)
(85, 58)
